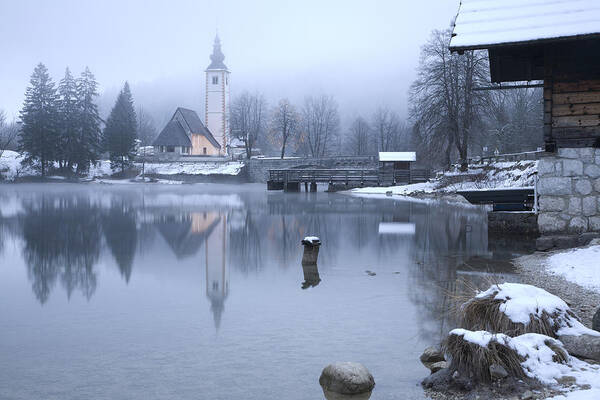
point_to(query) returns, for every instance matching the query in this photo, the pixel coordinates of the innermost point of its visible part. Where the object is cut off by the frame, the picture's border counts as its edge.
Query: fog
(362, 52)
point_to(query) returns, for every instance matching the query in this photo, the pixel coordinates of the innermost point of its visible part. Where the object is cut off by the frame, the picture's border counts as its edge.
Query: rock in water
(498, 372)
(431, 356)
(346, 378)
(596, 321)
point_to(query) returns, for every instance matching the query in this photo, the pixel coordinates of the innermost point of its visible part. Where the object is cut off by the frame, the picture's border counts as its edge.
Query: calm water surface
(197, 292)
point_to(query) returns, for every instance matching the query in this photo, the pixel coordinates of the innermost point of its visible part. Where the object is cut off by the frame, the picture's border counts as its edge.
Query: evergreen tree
(39, 118)
(89, 133)
(120, 131)
(68, 121)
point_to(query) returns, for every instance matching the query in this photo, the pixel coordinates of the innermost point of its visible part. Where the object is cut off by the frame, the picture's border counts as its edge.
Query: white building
(217, 97)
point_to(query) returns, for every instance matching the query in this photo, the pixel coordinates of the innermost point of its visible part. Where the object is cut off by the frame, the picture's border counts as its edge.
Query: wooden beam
(575, 121)
(576, 98)
(560, 110)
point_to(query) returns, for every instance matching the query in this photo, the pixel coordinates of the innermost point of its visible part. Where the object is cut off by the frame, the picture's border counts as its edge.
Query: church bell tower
(217, 97)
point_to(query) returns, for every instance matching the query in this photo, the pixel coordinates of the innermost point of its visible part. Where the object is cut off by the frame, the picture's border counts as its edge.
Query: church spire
(217, 56)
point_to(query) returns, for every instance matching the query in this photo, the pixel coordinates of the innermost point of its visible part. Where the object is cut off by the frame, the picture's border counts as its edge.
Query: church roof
(217, 57)
(172, 134)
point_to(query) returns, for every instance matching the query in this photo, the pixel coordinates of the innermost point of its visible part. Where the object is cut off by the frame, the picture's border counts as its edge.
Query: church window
(204, 150)
(215, 80)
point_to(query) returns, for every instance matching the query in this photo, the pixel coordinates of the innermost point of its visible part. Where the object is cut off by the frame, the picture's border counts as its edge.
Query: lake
(197, 291)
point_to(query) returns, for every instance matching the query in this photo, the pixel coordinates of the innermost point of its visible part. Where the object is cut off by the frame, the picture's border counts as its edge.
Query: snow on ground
(497, 175)
(521, 301)
(194, 168)
(11, 168)
(426, 187)
(99, 169)
(580, 266)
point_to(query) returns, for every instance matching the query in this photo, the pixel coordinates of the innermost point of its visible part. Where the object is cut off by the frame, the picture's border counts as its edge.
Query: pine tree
(120, 131)
(68, 121)
(39, 118)
(89, 121)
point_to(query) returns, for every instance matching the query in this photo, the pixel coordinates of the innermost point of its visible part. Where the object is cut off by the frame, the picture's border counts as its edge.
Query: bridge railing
(373, 176)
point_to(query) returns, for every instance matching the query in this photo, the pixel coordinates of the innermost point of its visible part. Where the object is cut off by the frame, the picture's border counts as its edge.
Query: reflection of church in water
(187, 234)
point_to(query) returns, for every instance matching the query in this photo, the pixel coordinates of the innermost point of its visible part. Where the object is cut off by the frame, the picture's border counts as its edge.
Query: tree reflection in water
(61, 238)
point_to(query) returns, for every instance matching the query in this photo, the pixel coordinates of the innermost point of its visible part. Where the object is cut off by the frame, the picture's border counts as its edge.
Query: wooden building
(395, 166)
(557, 42)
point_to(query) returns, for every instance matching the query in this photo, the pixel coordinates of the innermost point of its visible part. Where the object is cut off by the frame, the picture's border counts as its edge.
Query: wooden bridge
(291, 179)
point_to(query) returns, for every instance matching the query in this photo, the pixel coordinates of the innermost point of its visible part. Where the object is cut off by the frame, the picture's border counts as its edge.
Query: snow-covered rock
(348, 378)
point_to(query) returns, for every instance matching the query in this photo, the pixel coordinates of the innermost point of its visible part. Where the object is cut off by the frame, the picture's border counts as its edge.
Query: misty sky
(362, 52)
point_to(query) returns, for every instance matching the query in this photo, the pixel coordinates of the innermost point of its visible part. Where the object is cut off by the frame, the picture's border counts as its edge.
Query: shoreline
(532, 269)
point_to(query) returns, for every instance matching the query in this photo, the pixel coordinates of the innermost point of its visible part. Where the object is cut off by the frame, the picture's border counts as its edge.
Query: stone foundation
(511, 223)
(569, 191)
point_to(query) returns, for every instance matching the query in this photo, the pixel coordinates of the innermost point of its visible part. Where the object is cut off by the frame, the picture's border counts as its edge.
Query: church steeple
(217, 57)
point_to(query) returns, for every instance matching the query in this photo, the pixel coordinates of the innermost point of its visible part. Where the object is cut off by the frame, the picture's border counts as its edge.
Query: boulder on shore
(346, 378)
(583, 346)
(431, 358)
(596, 321)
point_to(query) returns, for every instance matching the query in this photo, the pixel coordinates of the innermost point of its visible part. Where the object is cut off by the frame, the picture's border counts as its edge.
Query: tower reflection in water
(217, 270)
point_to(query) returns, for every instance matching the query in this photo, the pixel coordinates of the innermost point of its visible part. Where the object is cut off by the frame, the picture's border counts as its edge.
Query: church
(185, 134)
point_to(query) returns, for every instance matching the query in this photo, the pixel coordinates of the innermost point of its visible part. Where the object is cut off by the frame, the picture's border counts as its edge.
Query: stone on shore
(432, 355)
(583, 346)
(435, 367)
(596, 321)
(346, 378)
(497, 372)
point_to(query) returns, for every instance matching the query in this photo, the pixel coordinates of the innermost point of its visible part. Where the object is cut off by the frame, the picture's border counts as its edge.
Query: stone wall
(569, 191)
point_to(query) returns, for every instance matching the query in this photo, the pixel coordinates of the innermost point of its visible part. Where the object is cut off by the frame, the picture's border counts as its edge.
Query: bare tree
(8, 134)
(386, 126)
(320, 125)
(359, 138)
(146, 129)
(444, 105)
(284, 125)
(248, 119)
(513, 119)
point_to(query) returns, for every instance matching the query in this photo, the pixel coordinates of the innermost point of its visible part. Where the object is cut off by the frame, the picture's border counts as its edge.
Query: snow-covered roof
(397, 156)
(486, 23)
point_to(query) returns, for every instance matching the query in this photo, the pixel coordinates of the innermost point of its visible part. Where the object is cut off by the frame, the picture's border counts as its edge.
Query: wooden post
(311, 250)
(548, 89)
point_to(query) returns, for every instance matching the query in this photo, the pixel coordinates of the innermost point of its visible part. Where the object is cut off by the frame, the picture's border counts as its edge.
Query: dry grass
(484, 313)
(473, 361)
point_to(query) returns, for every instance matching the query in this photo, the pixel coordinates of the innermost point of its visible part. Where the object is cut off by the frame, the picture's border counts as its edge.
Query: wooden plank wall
(574, 112)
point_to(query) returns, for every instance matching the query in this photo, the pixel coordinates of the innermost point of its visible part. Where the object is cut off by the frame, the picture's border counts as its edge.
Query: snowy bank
(580, 266)
(497, 175)
(194, 168)
(11, 168)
